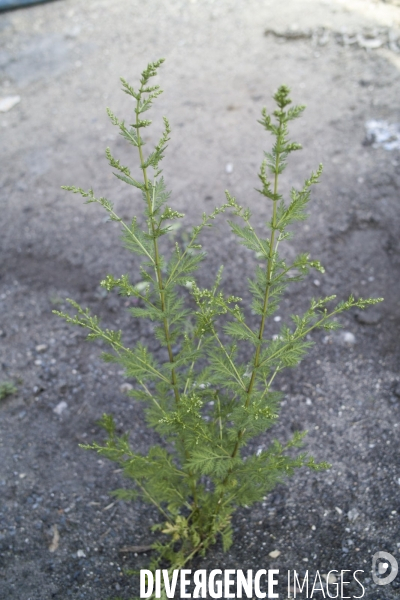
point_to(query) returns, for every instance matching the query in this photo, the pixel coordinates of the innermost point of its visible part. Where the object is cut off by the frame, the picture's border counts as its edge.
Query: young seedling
(7, 389)
(202, 393)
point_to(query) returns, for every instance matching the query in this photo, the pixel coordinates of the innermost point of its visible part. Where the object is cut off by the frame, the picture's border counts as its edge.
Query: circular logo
(382, 567)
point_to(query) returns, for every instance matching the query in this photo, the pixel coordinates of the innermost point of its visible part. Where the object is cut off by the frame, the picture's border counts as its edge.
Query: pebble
(274, 554)
(125, 387)
(229, 168)
(383, 133)
(396, 390)
(62, 386)
(368, 317)
(7, 102)
(73, 32)
(81, 554)
(371, 43)
(41, 347)
(346, 337)
(56, 539)
(339, 510)
(353, 514)
(331, 578)
(61, 406)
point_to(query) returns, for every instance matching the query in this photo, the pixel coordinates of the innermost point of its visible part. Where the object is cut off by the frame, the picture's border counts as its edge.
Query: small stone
(62, 387)
(338, 510)
(8, 102)
(353, 514)
(125, 387)
(73, 32)
(308, 401)
(317, 282)
(368, 317)
(396, 390)
(383, 133)
(229, 168)
(41, 348)
(81, 554)
(330, 577)
(370, 43)
(56, 539)
(61, 406)
(38, 389)
(346, 337)
(274, 554)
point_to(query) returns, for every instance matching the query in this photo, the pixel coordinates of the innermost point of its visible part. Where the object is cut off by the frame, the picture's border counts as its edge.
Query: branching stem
(270, 262)
(157, 265)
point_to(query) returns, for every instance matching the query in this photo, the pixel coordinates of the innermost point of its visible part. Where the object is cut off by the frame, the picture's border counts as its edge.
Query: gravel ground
(61, 534)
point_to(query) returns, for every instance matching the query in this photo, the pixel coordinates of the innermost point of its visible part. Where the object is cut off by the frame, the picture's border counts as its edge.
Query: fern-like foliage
(200, 394)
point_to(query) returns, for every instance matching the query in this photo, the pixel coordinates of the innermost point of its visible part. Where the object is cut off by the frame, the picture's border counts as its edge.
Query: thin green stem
(195, 235)
(219, 418)
(268, 385)
(188, 247)
(191, 368)
(146, 493)
(157, 266)
(146, 389)
(300, 335)
(237, 374)
(270, 261)
(129, 232)
(118, 347)
(161, 288)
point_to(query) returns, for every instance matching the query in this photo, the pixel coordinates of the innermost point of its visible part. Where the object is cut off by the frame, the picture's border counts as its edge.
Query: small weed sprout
(200, 395)
(7, 389)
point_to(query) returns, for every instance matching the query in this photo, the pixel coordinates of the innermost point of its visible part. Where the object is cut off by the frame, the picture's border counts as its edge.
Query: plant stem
(191, 369)
(270, 263)
(157, 267)
(237, 374)
(219, 418)
(146, 493)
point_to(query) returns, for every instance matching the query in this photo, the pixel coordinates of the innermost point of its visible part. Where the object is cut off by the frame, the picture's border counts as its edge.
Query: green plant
(208, 392)
(7, 389)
